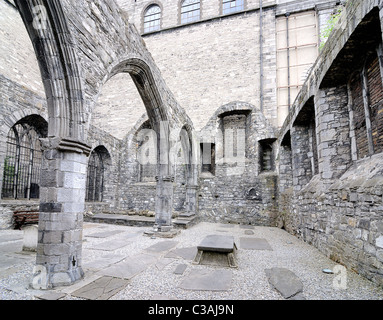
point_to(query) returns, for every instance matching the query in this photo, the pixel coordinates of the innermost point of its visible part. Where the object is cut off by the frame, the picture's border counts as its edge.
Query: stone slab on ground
(188, 253)
(162, 263)
(207, 280)
(217, 243)
(285, 282)
(110, 245)
(51, 296)
(130, 267)
(103, 261)
(180, 269)
(254, 244)
(162, 246)
(105, 234)
(101, 289)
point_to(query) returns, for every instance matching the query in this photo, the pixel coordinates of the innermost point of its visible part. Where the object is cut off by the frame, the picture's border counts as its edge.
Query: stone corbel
(65, 145)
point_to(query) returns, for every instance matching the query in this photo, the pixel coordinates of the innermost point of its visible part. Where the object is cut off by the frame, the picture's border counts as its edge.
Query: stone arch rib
(55, 52)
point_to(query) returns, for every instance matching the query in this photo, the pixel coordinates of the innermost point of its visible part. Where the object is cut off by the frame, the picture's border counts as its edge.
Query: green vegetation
(331, 22)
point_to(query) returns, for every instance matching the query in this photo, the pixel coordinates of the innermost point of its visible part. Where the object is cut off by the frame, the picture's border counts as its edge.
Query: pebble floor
(159, 282)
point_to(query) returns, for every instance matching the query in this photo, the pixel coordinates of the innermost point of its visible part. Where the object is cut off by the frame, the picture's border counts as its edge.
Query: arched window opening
(146, 153)
(22, 164)
(231, 6)
(96, 175)
(190, 11)
(152, 18)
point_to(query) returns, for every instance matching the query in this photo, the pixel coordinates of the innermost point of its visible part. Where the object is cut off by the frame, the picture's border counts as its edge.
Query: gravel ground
(158, 281)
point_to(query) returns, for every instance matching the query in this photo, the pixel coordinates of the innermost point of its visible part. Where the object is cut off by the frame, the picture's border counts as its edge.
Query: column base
(162, 232)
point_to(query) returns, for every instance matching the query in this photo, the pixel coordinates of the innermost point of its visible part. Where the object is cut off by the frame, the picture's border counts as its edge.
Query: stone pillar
(333, 131)
(164, 202)
(62, 197)
(285, 167)
(191, 200)
(301, 154)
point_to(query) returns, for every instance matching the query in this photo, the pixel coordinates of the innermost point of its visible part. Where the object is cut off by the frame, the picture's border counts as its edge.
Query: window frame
(145, 10)
(224, 11)
(24, 147)
(180, 13)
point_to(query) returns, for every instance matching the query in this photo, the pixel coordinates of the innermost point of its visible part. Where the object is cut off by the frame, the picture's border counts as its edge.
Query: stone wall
(17, 59)
(338, 209)
(251, 197)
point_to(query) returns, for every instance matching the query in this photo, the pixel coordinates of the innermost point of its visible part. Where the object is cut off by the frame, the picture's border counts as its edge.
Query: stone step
(138, 221)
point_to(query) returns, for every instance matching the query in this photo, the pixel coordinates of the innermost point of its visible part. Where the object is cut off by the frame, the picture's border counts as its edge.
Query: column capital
(65, 145)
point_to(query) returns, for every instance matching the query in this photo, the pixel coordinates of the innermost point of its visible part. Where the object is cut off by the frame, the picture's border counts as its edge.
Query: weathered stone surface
(285, 282)
(188, 253)
(207, 280)
(110, 245)
(130, 267)
(162, 246)
(101, 289)
(180, 269)
(105, 234)
(255, 244)
(217, 243)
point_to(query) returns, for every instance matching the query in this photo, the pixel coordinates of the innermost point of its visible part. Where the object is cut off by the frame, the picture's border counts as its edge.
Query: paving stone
(285, 282)
(188, 253)
(129, 267)
(101, 289)
(162, 263)
(103, 262)
(180, 269)
(162, 246)
(255, 244)
(217, 243)
(52, 296)
(207, 280)
(105, 234)
(110, 245)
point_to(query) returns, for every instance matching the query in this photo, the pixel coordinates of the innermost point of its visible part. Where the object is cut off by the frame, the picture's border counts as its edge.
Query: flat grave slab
(102, 262)
(180, 269)
(130, 267)
(105, 234)
(254, 244)
(187, 253)
(286, 283)
(101, 289)
(162, 246)
(52, 296)
(110, 245)
(207, 280)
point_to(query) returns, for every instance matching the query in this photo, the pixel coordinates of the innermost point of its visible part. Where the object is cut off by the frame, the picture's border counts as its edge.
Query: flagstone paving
(121, 263)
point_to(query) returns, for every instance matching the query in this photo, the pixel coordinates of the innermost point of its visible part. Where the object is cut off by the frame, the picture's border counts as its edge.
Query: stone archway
(73, 72)
(59, 251)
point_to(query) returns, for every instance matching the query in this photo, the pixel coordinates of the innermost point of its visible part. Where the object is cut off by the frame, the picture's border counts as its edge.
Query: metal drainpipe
(261, 51)
(288, 61)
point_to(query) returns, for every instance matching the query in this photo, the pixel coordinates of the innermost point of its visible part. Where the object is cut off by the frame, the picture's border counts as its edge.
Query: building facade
(233, 111)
